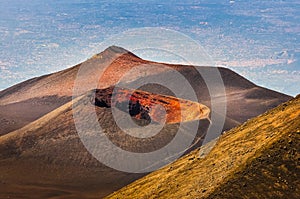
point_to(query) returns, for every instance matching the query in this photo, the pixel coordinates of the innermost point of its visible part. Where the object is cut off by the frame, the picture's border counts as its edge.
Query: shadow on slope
(46, 157)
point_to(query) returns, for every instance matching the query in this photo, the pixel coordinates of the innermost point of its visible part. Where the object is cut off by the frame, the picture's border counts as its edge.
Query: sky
(258, 39)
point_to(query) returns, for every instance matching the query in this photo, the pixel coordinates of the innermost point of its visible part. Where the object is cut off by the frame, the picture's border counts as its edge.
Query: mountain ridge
(258, 159)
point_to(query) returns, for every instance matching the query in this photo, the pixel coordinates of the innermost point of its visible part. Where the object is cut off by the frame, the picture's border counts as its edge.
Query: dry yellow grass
(259, 159)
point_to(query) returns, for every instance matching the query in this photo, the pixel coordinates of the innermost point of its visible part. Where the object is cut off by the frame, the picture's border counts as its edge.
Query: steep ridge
(259, 159)
(29, 100)
(46, 157)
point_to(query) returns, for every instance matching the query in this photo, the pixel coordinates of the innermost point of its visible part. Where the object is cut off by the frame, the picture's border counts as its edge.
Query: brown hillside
(46, 158)
(259, 159)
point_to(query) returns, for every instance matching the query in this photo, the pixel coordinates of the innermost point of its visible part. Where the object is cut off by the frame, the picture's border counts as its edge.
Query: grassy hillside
(259, 159)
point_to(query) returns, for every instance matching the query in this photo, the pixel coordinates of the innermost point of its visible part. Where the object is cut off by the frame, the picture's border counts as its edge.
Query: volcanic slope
(30, 100)
(47, 159)
(258, 159)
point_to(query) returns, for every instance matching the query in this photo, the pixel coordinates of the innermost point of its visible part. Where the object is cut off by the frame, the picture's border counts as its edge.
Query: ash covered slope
(30, 100)
(46, 157)
(259, 159)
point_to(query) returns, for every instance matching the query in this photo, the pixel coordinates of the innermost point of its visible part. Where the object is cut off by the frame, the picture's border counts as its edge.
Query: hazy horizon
(259, 40)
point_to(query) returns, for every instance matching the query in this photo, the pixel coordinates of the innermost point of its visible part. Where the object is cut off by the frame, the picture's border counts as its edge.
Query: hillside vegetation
(259, 159)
